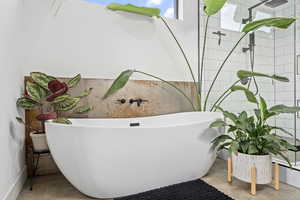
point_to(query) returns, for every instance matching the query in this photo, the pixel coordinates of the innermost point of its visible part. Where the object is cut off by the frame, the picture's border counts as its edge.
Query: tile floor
(56, 187)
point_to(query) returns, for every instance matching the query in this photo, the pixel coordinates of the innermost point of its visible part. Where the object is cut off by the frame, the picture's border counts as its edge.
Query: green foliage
(284, 109)
(242, 74)
(249, 95)
(27, 103)
(60, 98)
(83, 109)
(62, 120)
(277, 22)
(74, 81)
(20, 120)
(67, 105)
(252, 134)
(41, 79)
(150, 12)
(213, 6)
(85, 93)
(35, 91)
(119, 82)
(43, 87)
(217, 123)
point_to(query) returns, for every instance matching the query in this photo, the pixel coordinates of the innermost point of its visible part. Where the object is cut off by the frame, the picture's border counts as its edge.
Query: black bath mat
(192, 190)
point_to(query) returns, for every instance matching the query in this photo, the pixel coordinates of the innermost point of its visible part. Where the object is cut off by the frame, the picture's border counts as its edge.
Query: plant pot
(242, 164)
(39, 141)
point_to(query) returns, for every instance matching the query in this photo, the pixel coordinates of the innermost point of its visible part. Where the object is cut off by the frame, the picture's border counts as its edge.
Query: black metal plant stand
(35, 164)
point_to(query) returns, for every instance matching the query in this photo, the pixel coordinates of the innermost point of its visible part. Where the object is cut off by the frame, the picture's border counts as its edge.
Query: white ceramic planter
(39, 142)
(242, 164)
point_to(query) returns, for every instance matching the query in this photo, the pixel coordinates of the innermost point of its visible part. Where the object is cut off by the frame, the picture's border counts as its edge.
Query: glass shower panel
(297, 78)
(285, 65)
(275, 51)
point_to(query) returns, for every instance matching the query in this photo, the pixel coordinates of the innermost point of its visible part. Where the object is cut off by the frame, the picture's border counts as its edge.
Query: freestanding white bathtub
(108, 158)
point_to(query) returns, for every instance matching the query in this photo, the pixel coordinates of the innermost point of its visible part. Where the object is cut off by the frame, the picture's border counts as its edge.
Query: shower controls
(138, 101)
(251, 43)
(220, 34)
(121, 101)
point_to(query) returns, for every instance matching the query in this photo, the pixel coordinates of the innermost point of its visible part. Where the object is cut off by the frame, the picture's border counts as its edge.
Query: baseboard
(17, 186)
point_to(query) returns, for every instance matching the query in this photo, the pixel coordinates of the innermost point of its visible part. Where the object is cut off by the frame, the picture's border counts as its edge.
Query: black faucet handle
(139, 101)
(121, 101)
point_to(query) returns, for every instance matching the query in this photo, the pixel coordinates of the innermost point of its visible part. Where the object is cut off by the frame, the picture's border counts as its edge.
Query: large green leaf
(67, 104)
(252, 149)
(60, 98)
(262, 108)
(227, 114)
(242, 74)
(220, 139)
(278, 22)
(41, 79)
(223, 146)
(74, 81)
(27, 103)
(83, 109)
(244, 147)
(217, 123)
(150, 12)
(249, 95)
(35, 91)
(234, 147)
(62, 120)
(213, 6)
(119, 83)
(85, 93)
(284, 109)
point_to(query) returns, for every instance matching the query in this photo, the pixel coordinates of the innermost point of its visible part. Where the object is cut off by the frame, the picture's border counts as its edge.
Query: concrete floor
(54, 187)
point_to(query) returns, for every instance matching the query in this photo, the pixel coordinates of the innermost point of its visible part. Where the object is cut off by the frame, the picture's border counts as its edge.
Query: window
(228, 21)
(168, 7)
(232, 14)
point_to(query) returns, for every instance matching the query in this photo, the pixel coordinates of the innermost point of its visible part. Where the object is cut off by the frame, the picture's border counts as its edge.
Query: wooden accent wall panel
(162, 99)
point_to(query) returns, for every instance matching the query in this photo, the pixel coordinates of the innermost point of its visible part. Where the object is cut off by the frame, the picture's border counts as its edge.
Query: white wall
(12, 165)
(87, 38)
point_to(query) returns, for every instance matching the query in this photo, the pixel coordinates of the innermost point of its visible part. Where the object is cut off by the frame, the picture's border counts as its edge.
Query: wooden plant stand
(253, 172)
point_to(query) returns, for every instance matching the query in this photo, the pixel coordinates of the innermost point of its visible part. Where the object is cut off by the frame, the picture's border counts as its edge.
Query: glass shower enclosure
(267, 51)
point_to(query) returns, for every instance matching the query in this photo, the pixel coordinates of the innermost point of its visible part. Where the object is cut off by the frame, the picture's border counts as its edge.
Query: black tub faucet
(138, 101)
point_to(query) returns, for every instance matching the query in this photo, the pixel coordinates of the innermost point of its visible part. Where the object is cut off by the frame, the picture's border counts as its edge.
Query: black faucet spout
(138, 101)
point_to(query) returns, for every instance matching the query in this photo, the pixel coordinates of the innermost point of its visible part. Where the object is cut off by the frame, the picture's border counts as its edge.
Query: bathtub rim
(217, 115)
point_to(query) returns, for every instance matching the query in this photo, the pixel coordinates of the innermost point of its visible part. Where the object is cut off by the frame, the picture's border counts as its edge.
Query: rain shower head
(275, 3)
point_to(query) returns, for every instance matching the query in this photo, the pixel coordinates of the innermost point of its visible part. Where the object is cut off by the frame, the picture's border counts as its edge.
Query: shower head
(275, 3)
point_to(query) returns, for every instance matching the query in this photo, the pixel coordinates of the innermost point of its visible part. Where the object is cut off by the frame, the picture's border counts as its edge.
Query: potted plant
(44, 92)
(251, 140)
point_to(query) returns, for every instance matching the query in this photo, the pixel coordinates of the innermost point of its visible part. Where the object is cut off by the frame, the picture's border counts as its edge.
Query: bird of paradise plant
(211, 8)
